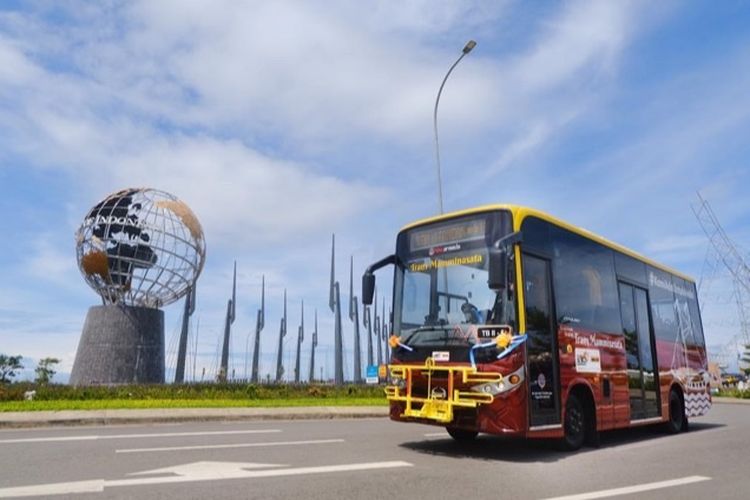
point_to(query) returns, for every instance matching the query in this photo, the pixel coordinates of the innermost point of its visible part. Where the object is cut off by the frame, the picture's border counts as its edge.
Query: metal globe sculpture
(140, 247)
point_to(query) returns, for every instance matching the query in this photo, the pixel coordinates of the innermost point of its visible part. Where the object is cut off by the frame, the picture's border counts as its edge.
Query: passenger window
(687, 321)
(585, 284)
(696, 317)
(662, 305)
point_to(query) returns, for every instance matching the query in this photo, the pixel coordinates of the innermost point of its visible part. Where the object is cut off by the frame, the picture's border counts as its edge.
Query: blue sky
(282, 122)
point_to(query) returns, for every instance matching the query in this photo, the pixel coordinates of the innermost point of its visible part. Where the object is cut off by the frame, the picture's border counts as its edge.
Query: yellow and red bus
(509, 321)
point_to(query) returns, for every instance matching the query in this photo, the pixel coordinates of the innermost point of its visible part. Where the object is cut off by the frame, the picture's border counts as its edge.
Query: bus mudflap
(441, 397)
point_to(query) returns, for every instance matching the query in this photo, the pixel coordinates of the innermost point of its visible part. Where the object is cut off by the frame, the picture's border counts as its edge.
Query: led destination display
(458, 232)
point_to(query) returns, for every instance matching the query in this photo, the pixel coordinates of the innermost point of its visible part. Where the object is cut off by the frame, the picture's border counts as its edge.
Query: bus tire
(574, 425)
(462, 435)
(677, 421)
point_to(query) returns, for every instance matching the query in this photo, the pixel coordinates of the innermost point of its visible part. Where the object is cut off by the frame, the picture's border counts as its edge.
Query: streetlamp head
(469, 46)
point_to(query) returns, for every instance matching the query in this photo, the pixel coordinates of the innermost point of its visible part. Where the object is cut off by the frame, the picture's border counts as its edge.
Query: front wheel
(462, 435)
(575, 424)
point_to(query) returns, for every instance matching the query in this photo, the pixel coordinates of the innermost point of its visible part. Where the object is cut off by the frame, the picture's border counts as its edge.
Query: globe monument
(140, 249)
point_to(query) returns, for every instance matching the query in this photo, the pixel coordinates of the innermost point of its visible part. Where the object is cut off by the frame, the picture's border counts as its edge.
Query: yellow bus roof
(520, 213)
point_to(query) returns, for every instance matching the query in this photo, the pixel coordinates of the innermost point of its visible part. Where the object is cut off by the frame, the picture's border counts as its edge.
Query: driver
(472, 314)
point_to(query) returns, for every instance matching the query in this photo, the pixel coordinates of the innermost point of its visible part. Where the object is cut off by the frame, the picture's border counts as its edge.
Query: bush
(734, 393)
(226, 390)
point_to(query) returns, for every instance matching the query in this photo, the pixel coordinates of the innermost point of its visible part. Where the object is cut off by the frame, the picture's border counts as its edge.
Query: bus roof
(520, 213)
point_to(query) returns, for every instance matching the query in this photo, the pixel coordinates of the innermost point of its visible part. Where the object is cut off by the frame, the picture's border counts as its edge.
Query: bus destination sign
(460, 232)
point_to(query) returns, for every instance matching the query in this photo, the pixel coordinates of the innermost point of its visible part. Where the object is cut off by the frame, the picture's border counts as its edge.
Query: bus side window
(585, 284)
(662, 305)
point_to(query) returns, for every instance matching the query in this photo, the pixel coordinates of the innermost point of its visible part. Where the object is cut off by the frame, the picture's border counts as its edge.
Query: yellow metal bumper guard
(439, 404)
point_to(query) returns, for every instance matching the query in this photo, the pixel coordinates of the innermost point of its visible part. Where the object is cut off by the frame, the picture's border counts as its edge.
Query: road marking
(207, 469)
(233, 445)
(210, 471)
(134, 436)
(436, 434)
(634, 489)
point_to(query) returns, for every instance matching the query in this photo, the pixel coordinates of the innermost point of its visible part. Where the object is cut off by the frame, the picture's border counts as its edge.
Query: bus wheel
(462, 435)
(677, 420)
(575, 424)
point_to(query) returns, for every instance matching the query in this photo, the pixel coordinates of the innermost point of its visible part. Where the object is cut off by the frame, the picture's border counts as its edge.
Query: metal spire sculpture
(282, 334)
(224, 368)
(354, 317)
(312, 349)
(300, 338)
(367, 323)
(179, 376)
(334, 302)
(260, 322)
(377, 330)
(385, 331)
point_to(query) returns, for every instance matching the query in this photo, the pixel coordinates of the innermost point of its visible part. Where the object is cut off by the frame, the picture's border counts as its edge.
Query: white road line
(98, 485)
(634, 489)
(233, 445)
(436, 434)
(134, 436)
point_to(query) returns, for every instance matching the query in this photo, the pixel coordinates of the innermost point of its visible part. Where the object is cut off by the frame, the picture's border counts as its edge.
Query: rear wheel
(677, 420)
(462, 435)
(575, 424)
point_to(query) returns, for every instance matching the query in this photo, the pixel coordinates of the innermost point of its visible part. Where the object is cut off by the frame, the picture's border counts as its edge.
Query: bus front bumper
(443, 389)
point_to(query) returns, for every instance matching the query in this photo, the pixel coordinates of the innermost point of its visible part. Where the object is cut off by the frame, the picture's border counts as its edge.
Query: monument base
(120, 345)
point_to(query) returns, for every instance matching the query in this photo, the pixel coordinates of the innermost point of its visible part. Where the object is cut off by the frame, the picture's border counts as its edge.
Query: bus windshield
(441, 281)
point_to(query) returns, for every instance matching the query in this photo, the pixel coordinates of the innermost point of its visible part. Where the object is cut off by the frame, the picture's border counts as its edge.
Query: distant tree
(746, 359)
(8, 367)
(45, 370)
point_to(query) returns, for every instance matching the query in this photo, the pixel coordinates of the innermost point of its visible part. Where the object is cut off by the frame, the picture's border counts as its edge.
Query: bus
(509, 321)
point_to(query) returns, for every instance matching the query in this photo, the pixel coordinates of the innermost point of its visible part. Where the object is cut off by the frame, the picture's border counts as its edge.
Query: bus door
(639, 350)
(541, 350)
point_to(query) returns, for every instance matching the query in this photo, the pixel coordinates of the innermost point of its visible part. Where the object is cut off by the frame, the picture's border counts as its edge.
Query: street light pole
(467, 48)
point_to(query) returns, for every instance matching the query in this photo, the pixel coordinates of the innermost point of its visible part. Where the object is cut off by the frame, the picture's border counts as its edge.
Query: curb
(15, 420)
(730, 401)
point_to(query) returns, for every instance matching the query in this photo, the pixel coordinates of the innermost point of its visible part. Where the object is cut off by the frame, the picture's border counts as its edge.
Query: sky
(283, 122)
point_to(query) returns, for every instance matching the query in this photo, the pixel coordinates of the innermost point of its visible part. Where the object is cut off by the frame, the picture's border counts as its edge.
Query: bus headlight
(493, 388)
(508, 383)
(398, 382)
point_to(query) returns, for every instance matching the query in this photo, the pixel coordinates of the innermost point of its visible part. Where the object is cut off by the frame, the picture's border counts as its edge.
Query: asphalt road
(370, 458)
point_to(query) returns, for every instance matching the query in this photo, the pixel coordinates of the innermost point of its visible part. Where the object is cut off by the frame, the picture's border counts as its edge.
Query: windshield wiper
(426, 328)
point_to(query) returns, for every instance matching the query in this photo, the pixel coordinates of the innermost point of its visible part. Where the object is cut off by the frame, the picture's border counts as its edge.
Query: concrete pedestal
(120, 345)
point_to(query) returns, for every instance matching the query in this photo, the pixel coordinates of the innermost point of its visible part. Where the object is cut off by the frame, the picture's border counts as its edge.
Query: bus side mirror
(498, 269)
(498, 256)
(368, 288)
(368, 279)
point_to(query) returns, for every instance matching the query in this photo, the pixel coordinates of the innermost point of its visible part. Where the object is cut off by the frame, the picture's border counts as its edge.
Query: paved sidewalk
(104, 417)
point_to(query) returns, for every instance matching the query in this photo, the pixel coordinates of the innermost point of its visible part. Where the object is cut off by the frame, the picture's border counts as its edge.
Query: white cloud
(48, 263)
(587, 36)
(241, 196)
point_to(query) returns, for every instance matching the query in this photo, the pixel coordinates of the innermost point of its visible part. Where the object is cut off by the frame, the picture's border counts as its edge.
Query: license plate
(441, 355)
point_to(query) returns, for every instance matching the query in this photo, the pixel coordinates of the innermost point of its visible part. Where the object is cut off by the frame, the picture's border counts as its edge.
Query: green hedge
(734, 393)
(234, 391)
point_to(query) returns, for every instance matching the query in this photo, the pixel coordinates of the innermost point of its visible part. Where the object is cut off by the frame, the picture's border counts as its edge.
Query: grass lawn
(110, 404)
